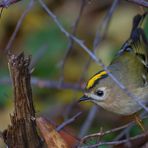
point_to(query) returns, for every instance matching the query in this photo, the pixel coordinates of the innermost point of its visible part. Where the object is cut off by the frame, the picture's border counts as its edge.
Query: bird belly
(119, 106)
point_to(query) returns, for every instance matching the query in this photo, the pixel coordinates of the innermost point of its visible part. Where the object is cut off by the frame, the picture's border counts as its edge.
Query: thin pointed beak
(84, 98)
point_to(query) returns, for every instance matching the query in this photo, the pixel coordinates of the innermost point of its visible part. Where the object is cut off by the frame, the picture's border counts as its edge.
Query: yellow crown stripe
(92, 80)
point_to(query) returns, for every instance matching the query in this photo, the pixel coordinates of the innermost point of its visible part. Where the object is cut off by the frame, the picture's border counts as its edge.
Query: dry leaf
(51, 136)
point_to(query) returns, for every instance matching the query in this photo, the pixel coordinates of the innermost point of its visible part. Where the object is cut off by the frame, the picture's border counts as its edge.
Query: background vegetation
(58, 75)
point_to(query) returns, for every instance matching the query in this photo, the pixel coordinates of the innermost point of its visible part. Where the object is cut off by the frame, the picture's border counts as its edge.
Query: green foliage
(56, 43)
(145, 27)
(44, 33)
(5, 94)
(5, 90)
(135, 130)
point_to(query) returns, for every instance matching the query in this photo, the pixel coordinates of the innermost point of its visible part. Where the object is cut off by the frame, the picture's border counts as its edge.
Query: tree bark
(22, 132)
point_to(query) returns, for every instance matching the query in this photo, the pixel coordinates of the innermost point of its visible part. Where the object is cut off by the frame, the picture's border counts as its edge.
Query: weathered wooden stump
(22, 132)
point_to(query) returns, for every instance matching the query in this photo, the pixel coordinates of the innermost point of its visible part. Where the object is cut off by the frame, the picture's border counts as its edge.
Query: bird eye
(100, 93)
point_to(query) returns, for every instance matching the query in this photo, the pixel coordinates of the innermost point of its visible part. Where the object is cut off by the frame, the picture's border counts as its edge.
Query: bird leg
(139, 122)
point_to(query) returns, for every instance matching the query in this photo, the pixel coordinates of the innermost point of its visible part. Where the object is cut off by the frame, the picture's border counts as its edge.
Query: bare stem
(19, 23)
(139, 2)
(69, 121)
(143, 135)
(98, 38)
(70, 44)
(42, 83)
(5, 4)
(92, 55)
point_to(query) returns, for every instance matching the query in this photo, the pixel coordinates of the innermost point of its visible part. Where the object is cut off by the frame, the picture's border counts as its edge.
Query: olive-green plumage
(130, 68)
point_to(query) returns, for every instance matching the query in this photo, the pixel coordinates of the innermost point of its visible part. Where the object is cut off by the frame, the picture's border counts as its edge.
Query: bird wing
(132, 59)
(137, 42)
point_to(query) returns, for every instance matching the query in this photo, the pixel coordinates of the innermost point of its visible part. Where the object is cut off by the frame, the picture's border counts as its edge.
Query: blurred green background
(40, 37)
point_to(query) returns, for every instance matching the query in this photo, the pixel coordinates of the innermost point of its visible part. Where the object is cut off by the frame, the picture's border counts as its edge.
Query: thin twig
(70, 44)
(38, 55)
(127, 134)
(111, 131)
(92, 55)
(117, 142)
(88, 121)
(7, 3)
(100, 35)
(9, 44)
(123, 132)
(42, 83)
(69, 121)
(55, 84)
(139, 2)
(106, 132)
(102, 30)
(120, 135)
(68, 50)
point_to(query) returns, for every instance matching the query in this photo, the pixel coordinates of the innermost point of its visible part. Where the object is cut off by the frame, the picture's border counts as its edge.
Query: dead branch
(45, 83)
(22, 132)
(7, 3)
(60, 127)
(120, 142)
(19, 23)
(108, 131)
(139, 2)
(71, 42)
(100, 35)
(92, 55)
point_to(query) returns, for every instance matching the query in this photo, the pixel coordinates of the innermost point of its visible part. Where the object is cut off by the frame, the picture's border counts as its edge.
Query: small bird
(130, 67)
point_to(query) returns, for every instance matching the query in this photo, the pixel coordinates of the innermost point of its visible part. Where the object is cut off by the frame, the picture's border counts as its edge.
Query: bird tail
(137, 42)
